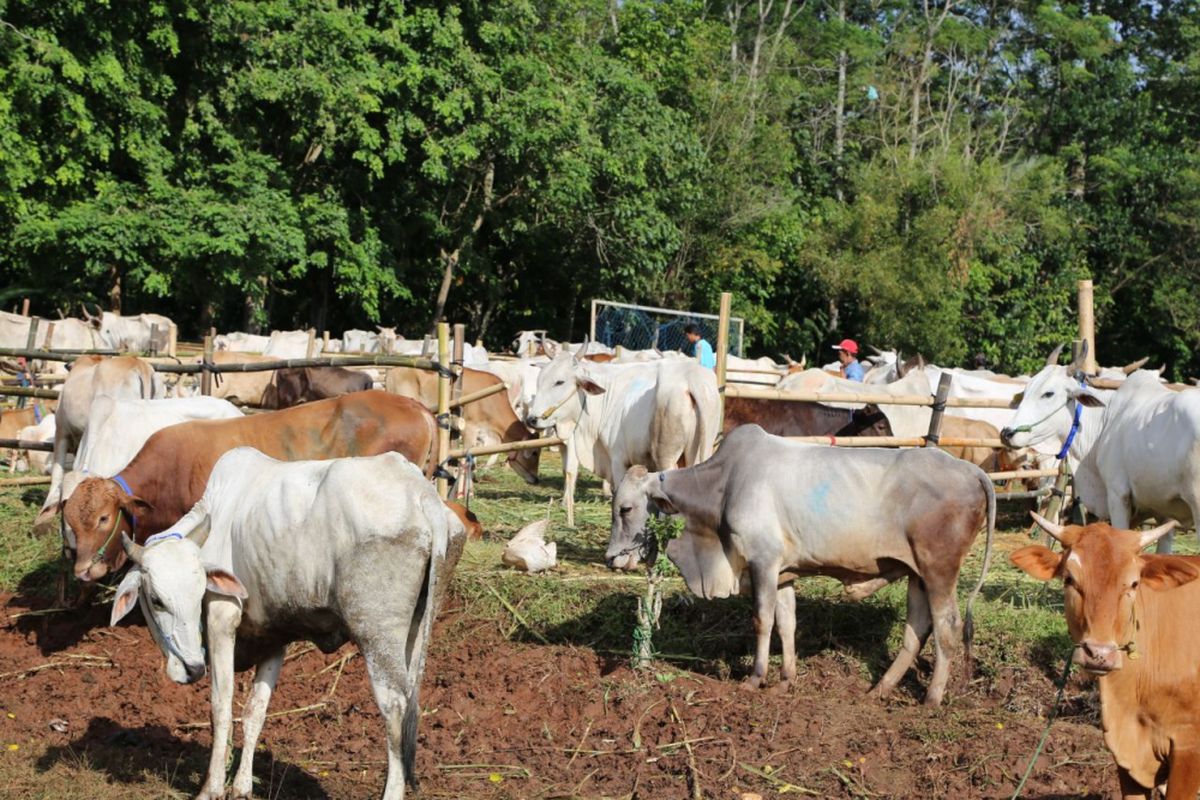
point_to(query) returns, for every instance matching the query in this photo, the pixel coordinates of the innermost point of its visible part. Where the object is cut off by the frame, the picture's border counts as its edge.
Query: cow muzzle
(1006, 437)
(1098, 658)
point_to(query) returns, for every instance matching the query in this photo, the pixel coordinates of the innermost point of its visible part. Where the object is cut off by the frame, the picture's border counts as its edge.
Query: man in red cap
(847, 351)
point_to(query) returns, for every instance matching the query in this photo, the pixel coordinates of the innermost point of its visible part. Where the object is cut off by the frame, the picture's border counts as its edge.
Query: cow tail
(701, 446)
(419, 632)
(969, 621)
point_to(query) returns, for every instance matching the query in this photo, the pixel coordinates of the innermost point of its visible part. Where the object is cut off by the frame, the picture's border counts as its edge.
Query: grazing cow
(790, 418)
(168, 475)
(350, 549)
(485, 422)
(91, 377)
(613, 416)
(246, 388)
(239, 342)
(764, 511)
(297, 385)
(1130, 616)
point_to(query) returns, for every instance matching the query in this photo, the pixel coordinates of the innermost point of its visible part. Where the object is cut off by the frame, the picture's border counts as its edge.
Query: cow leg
(223, 618)
(1183, 780)
(785, 621)
(570, 471)
(765, 579)
(1131, 789)
(253, 716)
(917, 627)
(947, 633)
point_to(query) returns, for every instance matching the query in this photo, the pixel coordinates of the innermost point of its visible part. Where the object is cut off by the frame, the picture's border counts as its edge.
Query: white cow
(288, 344)
(116, 429)
(1145, 460)
(349, 549)
(614, 416)
(130, 333)
(38, 461)
(66, 334)
(762, 371)
(520, 377)
(239, 342)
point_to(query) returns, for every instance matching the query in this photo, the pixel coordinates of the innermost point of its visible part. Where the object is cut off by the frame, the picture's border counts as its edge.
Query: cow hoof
(755, 681)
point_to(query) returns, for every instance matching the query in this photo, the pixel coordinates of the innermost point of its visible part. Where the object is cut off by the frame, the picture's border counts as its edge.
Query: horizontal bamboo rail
(893, 441)
(876, 398)
(54, 354)
(415, 362)
(495, 388)
(22, 444)
(1021, 474)
(505, 447)
(28, 391)
(28, 480)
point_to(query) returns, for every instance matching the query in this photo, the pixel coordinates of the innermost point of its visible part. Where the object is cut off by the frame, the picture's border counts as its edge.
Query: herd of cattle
(318, 520)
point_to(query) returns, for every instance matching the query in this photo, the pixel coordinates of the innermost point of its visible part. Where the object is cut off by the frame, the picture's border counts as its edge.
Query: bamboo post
(25, 307)
(50, 336)
(325, 341)
(443, 409)
(206, 376)
(172, 339)
(30, 343)
(312, 343)
(456, 390)
(1057, 496)
(592, 327)
(939, 410)
(1087, 324)
(154, 339)
(722, 354)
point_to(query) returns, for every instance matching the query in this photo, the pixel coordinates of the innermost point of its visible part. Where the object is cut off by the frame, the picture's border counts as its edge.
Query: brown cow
(296, 385)
(964, 428)
(246, 388)
(1120, 602)
(792, 418)
(487, 421)
(168, 476)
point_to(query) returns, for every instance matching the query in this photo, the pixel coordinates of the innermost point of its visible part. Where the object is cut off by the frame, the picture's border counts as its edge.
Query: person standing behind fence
(847, 351)
(700, 346)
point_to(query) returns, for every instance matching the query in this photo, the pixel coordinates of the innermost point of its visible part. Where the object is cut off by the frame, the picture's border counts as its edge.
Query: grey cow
(765, 511)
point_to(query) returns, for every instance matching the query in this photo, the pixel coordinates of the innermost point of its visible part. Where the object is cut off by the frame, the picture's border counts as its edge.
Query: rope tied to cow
(1062, 690)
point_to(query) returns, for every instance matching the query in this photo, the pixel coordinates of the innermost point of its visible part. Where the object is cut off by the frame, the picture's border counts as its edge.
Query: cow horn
(788, 359)
(86, 315)
(1052, 359)
(132, 549)
(1152, 536)
(1129, 369)
(877, 351)
(803, 361)
(900, 370)
(1055, 531)
(1081, 359)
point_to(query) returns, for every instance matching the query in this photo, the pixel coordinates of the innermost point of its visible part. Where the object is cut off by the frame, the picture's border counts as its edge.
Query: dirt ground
(87, 711)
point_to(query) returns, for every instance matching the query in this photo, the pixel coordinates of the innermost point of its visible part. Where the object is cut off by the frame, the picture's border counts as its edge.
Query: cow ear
(588, 385)
(1167, 572)
(1037, 561)
(136, 505)
(1016, 401)
(127, 595)
(1086, 398)
(222, 582)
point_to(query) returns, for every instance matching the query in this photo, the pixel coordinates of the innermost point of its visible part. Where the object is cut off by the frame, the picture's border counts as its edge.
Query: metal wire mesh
(646, 327)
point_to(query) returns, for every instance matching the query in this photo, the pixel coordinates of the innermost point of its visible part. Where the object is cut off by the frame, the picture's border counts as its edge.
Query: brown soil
(512, 720)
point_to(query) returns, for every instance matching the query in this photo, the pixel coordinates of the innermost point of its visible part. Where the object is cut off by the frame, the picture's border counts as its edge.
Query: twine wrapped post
(443, 409)
(659, 531)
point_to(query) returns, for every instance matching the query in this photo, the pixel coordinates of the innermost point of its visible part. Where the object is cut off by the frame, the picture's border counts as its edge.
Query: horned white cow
(1145, 458)
(38, 461)
(132, 333)
(239, 342)
(350, 549)
(612, 416)
(358, 341)
(287, 344)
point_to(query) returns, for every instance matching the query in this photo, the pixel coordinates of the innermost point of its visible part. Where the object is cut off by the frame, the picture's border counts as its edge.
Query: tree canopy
(928, 174)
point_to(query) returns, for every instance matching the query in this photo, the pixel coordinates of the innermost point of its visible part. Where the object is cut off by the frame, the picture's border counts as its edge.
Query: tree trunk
(839, 122)
(114, 291)
(450, 260)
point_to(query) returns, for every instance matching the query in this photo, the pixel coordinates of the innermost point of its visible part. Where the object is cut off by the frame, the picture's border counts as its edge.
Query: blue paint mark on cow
(818, 499)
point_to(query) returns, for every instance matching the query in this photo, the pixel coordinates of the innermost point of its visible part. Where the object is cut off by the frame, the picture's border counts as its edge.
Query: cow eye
(157, 602)
(1134, 585)
(559, 383)
(1068, 580)
(103, 519)
(625, 510)
(1048, 394)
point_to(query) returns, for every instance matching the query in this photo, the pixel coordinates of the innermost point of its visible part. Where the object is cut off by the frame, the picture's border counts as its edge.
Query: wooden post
(592, 327)
(312, 343)
(456, 391)
(1087, 324)
(1055, 505)
(154, 339)
(722, 354)
(324, 342)
(30, 344)
(939, 409)
(206, 376)
(443, 409)
(25, 307)
(172, 339)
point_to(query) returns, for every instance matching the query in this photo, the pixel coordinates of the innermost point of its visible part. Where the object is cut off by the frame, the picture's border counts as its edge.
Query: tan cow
(1130, 615)
(246, 388)
(487, 421)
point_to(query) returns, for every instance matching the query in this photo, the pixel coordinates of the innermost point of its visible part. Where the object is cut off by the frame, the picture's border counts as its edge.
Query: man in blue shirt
(702, 349)
(847, 352)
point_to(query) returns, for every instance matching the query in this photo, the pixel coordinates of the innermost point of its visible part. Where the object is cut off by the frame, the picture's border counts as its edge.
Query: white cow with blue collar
(349, 549)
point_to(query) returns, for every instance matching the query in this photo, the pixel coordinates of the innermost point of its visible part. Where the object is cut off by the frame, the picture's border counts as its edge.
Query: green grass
(1018, 621)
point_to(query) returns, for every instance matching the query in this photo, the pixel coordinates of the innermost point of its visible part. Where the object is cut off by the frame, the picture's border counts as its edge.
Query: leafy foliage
(933, 176)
